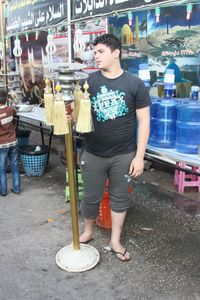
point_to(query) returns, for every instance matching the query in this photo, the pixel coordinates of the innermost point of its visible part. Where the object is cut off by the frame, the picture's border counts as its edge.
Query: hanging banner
(33, 14)
(86, 8)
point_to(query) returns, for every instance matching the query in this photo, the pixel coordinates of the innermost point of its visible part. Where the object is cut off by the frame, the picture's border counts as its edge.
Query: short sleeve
(142, 95)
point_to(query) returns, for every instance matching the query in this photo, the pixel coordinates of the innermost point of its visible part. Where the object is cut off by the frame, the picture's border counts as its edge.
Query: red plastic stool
(182, 180)
(103, 219)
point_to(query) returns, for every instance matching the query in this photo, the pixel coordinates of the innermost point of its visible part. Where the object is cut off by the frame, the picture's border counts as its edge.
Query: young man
(110, 150)
(8, 147)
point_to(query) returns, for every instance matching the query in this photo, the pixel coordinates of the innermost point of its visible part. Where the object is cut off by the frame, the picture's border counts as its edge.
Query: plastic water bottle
(169, 83)
(174, 91)
(147, 83)
(168, 90)
(194, 92)
(144, 74)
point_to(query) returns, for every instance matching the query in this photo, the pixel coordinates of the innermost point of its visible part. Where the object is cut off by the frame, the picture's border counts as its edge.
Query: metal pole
(2, 24)
(72, 188)
(70, 154)
(69, 31)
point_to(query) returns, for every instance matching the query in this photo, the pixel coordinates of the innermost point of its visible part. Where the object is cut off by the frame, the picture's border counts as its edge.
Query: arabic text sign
(33, 14)
(84, 8)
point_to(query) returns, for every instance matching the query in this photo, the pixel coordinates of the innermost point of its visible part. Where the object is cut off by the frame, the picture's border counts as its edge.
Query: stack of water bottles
(188, 124)
(163, 116)
(175, 123)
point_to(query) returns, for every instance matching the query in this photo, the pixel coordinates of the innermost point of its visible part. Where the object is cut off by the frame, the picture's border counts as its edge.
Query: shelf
(9, 75)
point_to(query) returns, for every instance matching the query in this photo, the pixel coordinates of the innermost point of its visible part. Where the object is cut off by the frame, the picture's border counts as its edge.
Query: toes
(124, 256)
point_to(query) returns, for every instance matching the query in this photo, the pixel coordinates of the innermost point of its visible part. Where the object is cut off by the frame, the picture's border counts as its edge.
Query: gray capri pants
(95, 171)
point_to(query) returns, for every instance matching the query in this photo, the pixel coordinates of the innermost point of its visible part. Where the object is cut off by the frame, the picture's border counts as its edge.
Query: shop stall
(151, 32)
(164, 35)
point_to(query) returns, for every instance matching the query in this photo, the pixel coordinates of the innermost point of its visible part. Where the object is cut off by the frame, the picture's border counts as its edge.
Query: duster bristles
(84, 120)
(60, 123)
(48, 102)
(78, 94)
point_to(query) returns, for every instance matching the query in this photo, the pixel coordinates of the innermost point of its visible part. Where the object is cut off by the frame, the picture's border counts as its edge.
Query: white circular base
(70, 260)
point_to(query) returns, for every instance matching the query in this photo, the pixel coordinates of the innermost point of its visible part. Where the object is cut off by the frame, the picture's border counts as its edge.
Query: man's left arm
(137, 164)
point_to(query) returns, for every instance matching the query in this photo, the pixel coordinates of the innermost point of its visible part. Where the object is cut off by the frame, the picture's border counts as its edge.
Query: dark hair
(110, 40)
(3, 96)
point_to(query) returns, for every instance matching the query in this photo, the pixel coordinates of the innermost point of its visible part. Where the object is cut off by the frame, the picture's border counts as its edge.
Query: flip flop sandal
(117, 253)
(123, 254)
(86, 242)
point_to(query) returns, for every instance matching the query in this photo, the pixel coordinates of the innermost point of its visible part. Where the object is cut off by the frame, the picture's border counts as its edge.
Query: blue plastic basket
(34, 162)
(22, 136)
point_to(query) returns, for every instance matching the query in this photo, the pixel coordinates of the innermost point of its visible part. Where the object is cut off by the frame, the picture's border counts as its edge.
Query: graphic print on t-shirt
(109, 104)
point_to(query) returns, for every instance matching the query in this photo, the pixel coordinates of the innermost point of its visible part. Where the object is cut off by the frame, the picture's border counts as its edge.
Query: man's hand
(68, 117)
(136, 167)
(69, 112)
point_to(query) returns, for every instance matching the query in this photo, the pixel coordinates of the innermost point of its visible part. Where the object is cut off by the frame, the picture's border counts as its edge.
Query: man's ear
(116, 53)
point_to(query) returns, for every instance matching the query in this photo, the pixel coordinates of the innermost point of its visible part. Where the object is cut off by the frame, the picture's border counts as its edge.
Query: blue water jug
(163, 124)
(188, 128)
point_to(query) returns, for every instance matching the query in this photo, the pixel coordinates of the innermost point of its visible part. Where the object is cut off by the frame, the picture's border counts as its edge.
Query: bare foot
(120, 252)
(86, 237)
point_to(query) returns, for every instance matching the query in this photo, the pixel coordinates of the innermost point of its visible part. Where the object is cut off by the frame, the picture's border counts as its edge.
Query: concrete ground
(162, 233)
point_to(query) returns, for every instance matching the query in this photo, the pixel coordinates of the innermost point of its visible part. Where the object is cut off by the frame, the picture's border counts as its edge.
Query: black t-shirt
(114, 104)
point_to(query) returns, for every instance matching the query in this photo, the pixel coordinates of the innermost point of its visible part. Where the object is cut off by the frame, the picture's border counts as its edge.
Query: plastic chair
(182, 180)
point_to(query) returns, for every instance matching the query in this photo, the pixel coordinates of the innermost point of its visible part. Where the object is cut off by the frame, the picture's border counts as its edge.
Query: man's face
(104, 57)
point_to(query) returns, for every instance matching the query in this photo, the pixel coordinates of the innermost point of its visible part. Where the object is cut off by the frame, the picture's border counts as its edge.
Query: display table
(36, 118)
(187, 166)
(172, 156)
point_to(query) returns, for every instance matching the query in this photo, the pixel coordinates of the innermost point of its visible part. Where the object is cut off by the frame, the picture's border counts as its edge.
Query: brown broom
(84, 120)
(48, 102)
(78, 94)
(60, 123)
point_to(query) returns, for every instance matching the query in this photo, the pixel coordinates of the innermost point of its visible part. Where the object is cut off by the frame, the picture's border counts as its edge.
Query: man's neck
(112, 72)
